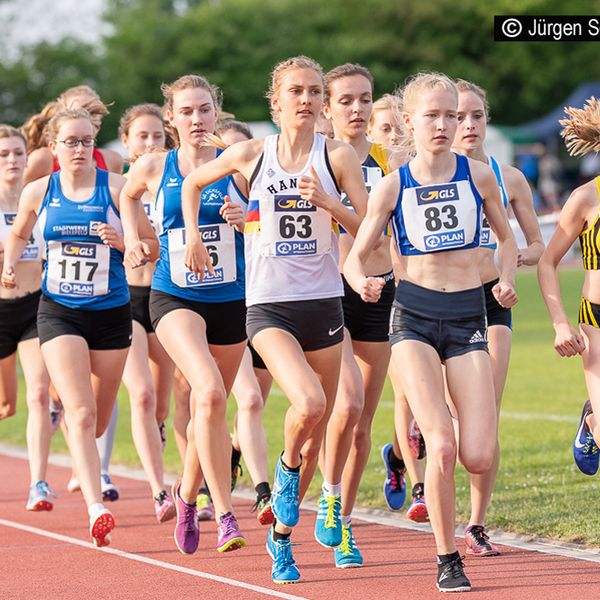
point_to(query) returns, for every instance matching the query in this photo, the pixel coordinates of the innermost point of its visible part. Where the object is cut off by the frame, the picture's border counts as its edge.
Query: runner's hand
(109, 236)
(568, 341)
(370, 290)
(311, 189)
(8, 278)
(137, 253)
(197, 259)
(233, 214)
(505, 294)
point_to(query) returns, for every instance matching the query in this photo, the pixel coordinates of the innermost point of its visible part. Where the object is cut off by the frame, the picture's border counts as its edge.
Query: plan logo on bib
(443, 241)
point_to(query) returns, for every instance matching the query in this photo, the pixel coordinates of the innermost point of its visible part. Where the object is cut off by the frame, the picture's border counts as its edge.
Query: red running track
(50, 555)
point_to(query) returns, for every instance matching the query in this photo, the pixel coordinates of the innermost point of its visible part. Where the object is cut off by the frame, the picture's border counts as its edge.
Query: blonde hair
(8, 131)
(581, 128)
(345, 70)
(386, 102)
(93, 103)
(407, 99)
(63, 116)
(186, 82)
(468, 86)
(296, 62)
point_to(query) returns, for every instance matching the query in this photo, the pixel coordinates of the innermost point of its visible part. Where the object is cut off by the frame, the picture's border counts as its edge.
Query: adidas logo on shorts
(477, 337)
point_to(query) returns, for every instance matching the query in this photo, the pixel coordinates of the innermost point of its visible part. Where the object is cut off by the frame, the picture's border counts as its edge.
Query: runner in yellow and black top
(366, 348)
(580, 218)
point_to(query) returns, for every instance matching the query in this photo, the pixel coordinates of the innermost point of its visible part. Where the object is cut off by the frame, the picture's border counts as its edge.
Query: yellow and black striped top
(590, 241)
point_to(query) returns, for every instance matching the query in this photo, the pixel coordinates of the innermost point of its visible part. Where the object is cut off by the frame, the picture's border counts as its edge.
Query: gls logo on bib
(285, 203)
(446, 192)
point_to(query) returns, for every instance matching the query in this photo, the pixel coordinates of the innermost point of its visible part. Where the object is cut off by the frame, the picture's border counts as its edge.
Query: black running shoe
(451, 577)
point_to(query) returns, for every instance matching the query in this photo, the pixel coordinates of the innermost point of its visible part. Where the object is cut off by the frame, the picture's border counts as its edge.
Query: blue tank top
(224, 244)
(438, 217)
(487, 237)
(81, 272)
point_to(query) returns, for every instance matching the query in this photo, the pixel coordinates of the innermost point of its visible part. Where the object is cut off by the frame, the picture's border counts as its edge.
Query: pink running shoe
(478, 543)
(187, 534)
(417, 511)
(164, 507)
(100, 527)
(230, 537)
(416, 441)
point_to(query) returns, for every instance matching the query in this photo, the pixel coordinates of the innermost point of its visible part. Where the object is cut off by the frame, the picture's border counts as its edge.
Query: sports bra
(590, 241)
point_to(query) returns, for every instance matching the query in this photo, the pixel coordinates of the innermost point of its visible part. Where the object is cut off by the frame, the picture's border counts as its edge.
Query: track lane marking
(149, 561)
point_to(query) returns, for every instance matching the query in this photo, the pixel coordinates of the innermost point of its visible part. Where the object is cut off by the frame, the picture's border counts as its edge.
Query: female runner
(200, 323)
(580, 218)
(84, 317)
(473, 115)
(18, 330)
(438, 317)
(148, 373)
(295, 319)
(366, 348)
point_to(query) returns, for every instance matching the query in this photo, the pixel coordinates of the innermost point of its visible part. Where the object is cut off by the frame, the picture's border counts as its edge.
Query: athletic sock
(347, 520)
(280, 536)
(331, 489)
(291, 469)
(396, 463)
(442, 559)
(236, 455)
(418, 489)
(263, 490)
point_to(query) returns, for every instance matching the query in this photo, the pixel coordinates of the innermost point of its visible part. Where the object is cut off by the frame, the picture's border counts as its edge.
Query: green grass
(539, 490)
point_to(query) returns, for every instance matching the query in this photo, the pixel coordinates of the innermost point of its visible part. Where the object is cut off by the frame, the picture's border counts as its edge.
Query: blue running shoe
(110, 492)
(284, 569)
(394, 487)
(328, 525)
(284, 497)
(40, 497)
(585, 449)
(347, 555)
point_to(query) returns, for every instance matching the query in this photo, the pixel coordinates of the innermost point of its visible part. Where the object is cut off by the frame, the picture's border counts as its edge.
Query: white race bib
(440, 217)
(78, 269)
(220, 244)
(291, 226)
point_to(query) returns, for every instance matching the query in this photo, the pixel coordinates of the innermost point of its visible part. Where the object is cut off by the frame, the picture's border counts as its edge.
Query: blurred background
(126, 48)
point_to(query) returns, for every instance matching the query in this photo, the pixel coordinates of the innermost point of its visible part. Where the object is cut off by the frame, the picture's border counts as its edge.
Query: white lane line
(522, 541)
(149, 561)
(518, 416)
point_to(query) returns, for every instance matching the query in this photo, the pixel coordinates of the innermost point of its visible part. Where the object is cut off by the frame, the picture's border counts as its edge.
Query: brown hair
(296, 62)
(186, 82)
(236, 126)
(345, 70)
(139, 110)
(468, 86)
(61, 117)
(8, 131)
(581, 128)
(34, 128)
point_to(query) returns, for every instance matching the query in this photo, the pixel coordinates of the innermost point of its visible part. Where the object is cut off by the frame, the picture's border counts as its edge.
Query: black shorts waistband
(440, 305)
(31, 297)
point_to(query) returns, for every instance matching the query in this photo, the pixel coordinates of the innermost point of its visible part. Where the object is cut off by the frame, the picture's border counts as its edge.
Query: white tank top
(291, 246)
(34, 248)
